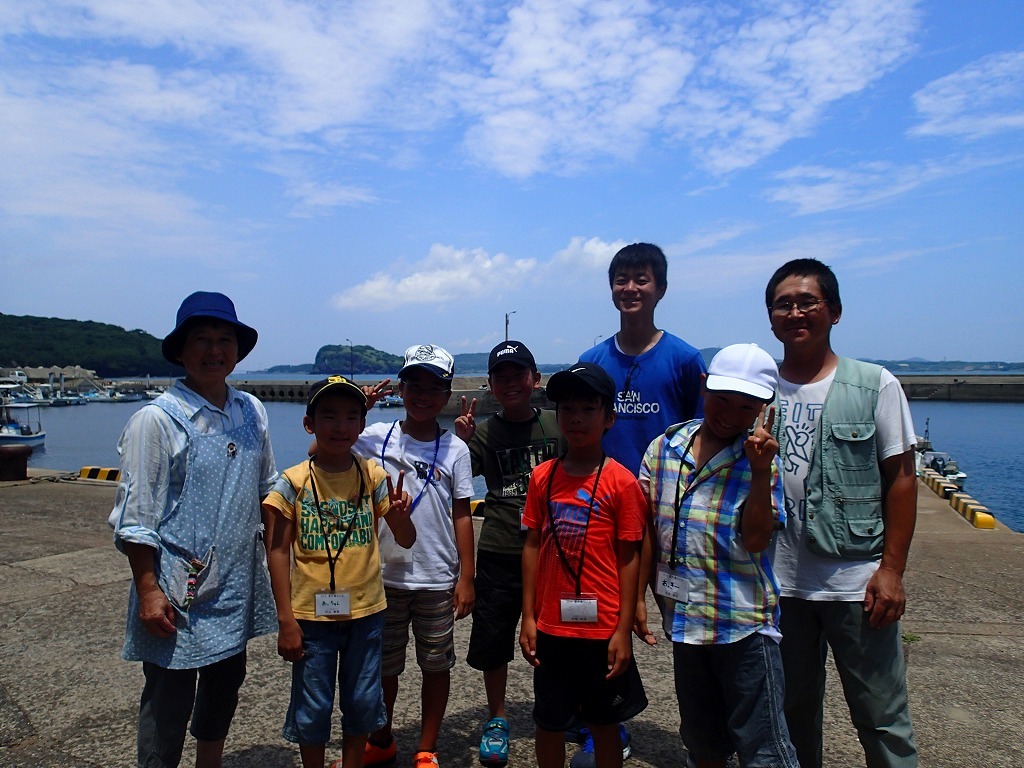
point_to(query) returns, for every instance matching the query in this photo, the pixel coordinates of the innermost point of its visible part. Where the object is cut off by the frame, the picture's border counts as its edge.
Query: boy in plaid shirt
(715, 493)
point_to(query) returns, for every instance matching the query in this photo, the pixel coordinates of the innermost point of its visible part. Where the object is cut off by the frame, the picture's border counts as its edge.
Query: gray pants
(171, 696)
(870, 666)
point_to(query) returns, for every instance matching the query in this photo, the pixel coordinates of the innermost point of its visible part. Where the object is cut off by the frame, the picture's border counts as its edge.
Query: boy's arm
(620, 647)
(462, 518)
(645, 577)
(758, 519)
(528, 630)
(289, 635)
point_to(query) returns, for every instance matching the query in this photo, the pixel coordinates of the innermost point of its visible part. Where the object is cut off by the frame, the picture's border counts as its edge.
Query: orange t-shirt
(587, 531)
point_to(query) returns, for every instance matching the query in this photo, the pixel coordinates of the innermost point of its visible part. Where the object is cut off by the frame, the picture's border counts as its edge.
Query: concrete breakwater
(940, 387)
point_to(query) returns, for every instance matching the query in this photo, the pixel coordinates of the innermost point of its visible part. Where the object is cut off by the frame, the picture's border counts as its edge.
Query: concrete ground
(66, 698)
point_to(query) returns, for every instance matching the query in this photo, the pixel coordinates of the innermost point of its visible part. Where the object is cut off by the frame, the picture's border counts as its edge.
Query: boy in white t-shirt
(431, 585)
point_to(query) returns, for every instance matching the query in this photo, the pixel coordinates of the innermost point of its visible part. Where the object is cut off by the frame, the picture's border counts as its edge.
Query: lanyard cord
(578, 575)
(433, 462)
(331, 561)
(683, 492)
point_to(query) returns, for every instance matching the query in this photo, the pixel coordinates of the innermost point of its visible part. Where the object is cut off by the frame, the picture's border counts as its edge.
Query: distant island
(114, 352)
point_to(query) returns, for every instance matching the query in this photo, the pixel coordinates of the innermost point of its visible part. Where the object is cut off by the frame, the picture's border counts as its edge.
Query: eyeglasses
(783, 308)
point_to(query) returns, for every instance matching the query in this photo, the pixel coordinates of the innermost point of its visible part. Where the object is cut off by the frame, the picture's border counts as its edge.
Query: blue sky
(406, 171)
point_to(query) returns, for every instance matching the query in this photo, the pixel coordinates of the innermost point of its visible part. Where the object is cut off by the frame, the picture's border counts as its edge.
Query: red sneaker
(425, 760)
(374, 756)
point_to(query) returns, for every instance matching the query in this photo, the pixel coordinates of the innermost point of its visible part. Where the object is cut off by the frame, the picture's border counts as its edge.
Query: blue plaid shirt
(731, 593)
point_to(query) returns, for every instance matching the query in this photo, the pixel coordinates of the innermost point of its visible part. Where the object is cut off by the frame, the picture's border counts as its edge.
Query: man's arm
(885, 599)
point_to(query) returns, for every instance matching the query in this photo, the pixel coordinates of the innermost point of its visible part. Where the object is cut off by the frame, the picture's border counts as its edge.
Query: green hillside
(109, 350)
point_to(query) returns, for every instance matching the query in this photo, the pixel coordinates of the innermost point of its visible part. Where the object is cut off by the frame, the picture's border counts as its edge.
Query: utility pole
(506, 322)
(351, 360)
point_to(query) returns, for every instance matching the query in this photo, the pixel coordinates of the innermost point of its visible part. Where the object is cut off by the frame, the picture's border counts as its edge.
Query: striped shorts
(432, 615)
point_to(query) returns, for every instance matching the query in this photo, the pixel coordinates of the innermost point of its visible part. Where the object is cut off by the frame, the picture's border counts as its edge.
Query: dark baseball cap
(333, 384)
(591, 375)
(511, 352)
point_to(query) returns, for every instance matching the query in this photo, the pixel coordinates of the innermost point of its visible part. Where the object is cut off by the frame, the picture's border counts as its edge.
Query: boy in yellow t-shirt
(323, 514)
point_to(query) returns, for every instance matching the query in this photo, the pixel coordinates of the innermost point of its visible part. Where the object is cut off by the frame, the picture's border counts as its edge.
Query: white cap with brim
(743, 368)
(430, 357)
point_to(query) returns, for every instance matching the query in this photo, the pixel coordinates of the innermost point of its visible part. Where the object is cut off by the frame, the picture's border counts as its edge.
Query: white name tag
(580, 609)
(333, 603)
(671, 585)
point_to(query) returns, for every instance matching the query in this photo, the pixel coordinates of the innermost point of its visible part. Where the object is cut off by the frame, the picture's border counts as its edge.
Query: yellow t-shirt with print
(342, 517)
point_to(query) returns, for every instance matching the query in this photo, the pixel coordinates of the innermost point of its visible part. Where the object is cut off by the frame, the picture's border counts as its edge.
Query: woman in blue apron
(195, 464)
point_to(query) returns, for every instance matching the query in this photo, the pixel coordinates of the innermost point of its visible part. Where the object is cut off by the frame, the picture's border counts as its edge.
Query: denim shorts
(349, 651)
(432, 615)
(493, 640)
(730, 700)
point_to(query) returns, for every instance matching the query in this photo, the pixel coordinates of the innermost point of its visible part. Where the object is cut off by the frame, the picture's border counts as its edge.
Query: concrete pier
(66, 699)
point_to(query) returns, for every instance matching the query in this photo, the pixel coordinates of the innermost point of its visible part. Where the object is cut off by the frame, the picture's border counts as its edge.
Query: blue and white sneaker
(494, 742)
(585, 757)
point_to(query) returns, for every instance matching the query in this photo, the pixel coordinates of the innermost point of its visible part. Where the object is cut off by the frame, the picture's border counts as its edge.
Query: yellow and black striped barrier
(973, 511)
(100, 473)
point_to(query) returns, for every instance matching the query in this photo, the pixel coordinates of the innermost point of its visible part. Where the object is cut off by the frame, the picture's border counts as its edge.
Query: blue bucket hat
(212, 306)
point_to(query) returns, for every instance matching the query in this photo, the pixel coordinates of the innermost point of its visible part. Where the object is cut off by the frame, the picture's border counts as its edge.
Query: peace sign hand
(398, 517)
(761, 446)
(376, 392)
(465, 425)
(399, 499)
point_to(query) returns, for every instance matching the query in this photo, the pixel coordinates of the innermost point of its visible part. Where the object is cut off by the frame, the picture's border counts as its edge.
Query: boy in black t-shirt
(505, 448)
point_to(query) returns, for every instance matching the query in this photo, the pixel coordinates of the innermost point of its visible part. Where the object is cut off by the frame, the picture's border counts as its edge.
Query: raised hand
(399, 518)
(465, 424)
(376, 392)
(399, 499)
(762, 446)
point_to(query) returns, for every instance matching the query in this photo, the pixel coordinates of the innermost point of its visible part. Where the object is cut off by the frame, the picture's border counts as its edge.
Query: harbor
(66, 698)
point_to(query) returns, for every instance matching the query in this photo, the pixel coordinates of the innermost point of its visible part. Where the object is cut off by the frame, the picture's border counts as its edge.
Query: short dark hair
(578, 390)
(640, 255)
(807, 268)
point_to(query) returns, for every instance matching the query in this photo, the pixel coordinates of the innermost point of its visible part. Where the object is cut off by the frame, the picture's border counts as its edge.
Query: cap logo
(509, 350)
(424, 352)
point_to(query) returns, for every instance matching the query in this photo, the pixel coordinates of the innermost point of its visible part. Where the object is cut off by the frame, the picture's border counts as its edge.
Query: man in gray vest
(846, 441)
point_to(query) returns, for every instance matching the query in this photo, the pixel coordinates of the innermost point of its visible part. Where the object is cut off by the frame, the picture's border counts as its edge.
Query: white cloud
(771, 79)
(586, 255)
(447, 274)
(816, 189)
(980, 100)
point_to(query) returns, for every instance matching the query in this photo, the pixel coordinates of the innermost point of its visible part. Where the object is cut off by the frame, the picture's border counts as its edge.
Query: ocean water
(983, 437)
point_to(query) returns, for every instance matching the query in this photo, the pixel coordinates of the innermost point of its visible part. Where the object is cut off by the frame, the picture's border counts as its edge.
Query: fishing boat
(928, 458)
(390, 401)
(20, 424)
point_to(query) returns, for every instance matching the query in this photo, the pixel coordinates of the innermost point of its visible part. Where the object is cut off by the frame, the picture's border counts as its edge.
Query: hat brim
(174, 342)
(715, 383)
(439, 372)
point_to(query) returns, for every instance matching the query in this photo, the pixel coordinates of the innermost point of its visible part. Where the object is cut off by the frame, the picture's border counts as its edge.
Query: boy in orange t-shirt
(586, 515)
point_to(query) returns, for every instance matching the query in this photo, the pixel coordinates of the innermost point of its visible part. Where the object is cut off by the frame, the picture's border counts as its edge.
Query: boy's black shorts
(499, 603)
(570, 684)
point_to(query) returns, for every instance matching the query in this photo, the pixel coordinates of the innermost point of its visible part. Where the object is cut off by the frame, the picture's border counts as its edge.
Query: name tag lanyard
(433, 462)
(682, 491)
(578, 574)
(331, 561)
